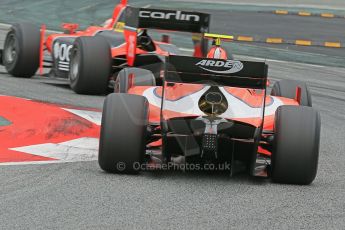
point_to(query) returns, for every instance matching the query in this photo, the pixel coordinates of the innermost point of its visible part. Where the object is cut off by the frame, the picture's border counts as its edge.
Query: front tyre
(287, 89)
(130, 77)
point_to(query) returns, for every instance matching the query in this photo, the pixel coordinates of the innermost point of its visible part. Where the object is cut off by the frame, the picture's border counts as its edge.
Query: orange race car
(210, 113)
(91, 58)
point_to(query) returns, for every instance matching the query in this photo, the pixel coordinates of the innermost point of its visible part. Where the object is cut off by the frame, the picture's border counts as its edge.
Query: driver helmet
(217, 52)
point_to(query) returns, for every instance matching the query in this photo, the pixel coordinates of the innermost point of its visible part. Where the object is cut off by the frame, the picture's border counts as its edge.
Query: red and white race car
(91, 58)
(211, 111)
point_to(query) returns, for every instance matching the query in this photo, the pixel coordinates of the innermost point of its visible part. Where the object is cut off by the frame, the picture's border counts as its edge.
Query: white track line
(92, 116)
(78, 150)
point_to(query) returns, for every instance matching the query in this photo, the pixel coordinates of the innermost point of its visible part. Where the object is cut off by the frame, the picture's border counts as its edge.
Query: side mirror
(69, 28)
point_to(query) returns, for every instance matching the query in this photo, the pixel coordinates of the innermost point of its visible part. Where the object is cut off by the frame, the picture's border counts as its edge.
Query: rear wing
(241, 74)
(175, 20)
(161, 19)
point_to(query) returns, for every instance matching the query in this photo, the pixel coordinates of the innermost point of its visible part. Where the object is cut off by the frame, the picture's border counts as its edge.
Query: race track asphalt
(81, 196)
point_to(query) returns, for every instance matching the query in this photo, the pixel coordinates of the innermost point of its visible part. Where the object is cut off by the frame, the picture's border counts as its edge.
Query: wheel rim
(10, 52)
(74, 66)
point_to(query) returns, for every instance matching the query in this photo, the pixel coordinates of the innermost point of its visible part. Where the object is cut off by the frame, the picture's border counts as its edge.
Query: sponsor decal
(131, 44)
(62, 55)
(119, 27)
(220, 66)
(178, 15)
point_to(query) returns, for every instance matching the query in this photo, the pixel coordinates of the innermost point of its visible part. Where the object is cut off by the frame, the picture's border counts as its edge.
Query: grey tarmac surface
(81, 196)
(289, 27)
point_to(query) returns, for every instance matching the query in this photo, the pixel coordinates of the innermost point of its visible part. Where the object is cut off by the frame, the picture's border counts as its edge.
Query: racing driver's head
(217, 52)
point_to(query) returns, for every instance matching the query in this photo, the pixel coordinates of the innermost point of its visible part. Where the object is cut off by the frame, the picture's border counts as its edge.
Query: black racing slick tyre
(123, 133)
(90, 66)
(21, 50)
(287, 88)
(130, 77)
(296, 145)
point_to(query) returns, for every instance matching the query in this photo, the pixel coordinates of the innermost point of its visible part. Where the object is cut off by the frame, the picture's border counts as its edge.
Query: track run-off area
(57, 184)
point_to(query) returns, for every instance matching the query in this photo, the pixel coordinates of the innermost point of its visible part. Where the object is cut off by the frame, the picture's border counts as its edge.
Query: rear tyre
(287, 88)
(90, 66)
(21, 50)
(123, 133)
(296, 145)
(130, 77)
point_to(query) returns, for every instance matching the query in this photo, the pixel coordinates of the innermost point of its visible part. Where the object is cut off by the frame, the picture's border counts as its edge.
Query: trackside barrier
(279, 40)
(306, 14)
